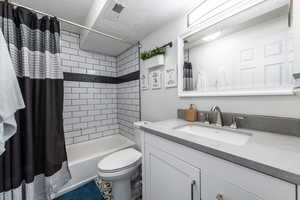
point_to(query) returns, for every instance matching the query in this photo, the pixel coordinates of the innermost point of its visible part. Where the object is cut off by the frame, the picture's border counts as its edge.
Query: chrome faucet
(219, 115)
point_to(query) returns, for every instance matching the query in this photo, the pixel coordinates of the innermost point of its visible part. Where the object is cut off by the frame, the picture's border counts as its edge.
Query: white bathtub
(83, 159)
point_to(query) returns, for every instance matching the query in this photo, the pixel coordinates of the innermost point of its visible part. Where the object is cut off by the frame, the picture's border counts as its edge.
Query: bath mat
(105, 188)
(88, 191)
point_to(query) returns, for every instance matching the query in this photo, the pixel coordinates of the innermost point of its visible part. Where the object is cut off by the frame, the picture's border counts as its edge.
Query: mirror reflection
(250, 52)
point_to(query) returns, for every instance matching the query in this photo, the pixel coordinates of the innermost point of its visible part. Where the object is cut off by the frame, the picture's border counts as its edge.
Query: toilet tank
(137, 132)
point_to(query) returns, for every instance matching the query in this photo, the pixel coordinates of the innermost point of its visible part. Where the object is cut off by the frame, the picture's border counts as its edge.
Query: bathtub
(83, 159)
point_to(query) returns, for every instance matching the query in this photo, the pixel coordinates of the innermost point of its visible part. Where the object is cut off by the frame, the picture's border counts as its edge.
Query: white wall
(163, 104)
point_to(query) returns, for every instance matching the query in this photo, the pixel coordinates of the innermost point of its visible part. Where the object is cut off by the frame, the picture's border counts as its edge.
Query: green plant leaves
(154, 52)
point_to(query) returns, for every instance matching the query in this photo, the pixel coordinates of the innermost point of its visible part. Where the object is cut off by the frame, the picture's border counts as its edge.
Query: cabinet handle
(219, 197)
(193, 183)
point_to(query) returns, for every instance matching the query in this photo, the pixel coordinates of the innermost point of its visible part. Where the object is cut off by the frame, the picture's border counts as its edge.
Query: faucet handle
(207, 118)
(234, 121)
(204, 117)
(233, 124)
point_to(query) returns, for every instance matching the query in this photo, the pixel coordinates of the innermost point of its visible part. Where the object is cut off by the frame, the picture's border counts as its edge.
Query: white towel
(10, 95)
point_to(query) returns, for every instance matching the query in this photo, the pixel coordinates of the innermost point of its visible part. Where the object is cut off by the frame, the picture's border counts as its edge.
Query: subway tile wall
(90, 109)
(75, 60)
(93, 110)
(128, 61)
(128, 101)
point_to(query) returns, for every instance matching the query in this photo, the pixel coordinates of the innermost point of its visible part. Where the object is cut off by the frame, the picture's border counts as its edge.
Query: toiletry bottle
(185, 76)
(188, 77)
(201, 81)
(191, 114)
(191, 82)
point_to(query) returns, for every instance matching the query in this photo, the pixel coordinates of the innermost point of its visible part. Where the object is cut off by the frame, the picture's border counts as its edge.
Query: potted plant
(154, 57)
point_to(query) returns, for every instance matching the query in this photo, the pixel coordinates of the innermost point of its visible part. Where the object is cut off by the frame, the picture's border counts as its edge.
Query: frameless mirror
(251, 51)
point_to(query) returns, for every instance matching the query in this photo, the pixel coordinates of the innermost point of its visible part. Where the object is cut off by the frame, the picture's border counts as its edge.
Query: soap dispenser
(191, 114)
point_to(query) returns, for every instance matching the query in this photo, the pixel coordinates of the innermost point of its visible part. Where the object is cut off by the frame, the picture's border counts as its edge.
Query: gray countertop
(273, 154)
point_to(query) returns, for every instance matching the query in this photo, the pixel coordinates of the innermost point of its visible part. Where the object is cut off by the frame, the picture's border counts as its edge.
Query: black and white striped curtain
(34, 164)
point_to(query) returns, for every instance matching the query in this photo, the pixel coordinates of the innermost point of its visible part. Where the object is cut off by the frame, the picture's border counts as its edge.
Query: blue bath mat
(88, 191)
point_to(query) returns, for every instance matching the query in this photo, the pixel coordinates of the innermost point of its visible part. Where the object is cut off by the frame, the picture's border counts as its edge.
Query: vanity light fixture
(212, 36)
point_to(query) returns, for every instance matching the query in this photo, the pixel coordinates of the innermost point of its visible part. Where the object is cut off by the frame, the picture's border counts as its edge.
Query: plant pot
(155, 61)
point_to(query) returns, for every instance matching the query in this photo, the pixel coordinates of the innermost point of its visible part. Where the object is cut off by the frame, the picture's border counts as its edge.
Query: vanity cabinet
(170, 178)
(217, 188)
(174, 171)
(298, 193)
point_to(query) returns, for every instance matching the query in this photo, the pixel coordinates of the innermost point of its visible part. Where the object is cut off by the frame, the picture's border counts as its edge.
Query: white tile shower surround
(90, 111)
(76, 60)
(128, 61)
(128, 93)
(93, 110)
(128, 107)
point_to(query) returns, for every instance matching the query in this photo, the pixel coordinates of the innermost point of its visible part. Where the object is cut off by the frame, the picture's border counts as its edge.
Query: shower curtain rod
(75, 24)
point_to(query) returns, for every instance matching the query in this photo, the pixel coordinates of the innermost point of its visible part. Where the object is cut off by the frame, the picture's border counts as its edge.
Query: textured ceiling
(138, 19)
(73, 10)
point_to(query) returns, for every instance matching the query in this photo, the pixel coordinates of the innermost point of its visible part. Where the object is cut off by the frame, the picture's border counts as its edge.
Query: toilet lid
(120, 160)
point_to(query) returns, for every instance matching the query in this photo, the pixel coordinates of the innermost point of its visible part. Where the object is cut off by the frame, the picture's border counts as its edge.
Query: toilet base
(121, 189)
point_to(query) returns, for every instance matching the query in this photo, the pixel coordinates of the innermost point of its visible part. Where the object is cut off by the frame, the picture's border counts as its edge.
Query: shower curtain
(34, 164)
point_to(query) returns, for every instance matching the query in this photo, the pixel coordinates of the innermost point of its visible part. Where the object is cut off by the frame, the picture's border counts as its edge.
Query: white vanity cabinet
(298, 192)
(169, 177)
(174, 171)
(219, 189)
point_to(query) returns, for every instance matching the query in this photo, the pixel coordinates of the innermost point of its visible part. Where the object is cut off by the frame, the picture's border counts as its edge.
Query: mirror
(248, 53)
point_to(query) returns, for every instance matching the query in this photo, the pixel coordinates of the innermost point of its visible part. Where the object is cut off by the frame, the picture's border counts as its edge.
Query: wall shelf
(155, 61)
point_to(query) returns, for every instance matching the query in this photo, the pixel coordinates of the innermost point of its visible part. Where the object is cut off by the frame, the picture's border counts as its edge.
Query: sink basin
(226, 136)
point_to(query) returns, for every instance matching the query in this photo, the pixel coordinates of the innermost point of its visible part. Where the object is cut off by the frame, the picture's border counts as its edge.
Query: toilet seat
(120, 161)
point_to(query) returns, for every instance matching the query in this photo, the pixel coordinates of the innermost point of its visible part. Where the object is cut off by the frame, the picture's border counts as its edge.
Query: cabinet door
(298, 192)
(219, 189)
(168, 178)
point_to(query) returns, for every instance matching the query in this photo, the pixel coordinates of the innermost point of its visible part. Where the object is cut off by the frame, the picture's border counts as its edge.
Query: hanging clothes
(11, 98)
(34, 164)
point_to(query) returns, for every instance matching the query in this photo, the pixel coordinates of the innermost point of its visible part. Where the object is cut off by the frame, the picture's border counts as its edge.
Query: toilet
(119, 167)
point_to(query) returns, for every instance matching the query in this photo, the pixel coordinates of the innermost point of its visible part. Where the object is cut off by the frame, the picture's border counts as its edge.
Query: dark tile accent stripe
(89, 78)
(281, 125)
(129, 77)
(101, 79)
